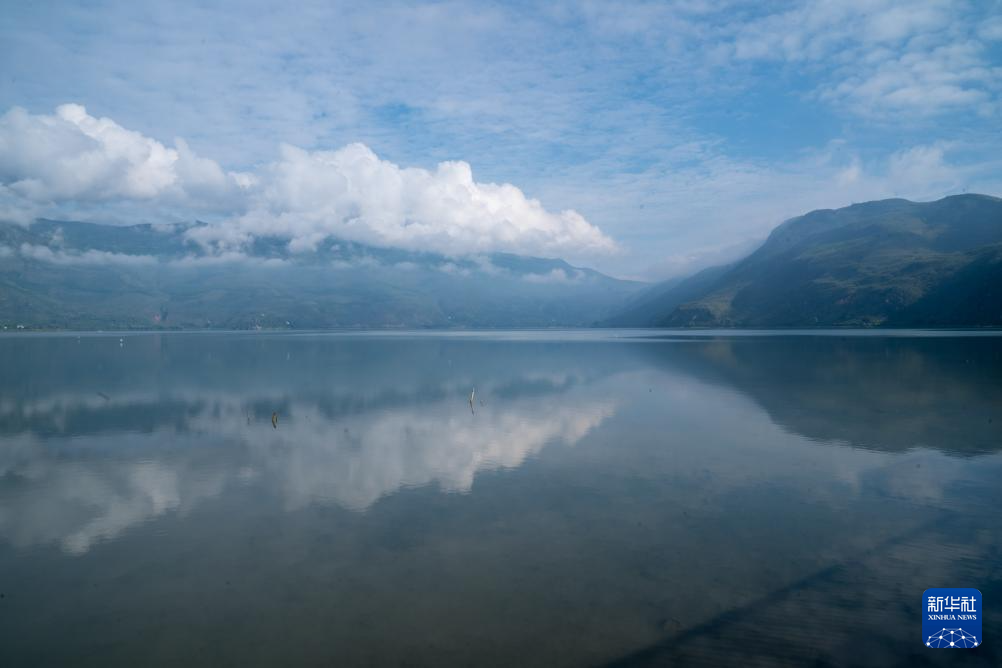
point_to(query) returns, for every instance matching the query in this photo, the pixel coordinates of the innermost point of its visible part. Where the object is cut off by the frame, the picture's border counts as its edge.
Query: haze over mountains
(73, 275)
(891, 263)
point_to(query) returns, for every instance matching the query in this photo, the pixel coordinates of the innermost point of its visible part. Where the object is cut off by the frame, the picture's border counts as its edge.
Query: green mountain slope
(885, 263)
(647, 307)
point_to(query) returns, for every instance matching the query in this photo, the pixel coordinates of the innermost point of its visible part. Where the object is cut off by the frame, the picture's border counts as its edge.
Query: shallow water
(610, 498)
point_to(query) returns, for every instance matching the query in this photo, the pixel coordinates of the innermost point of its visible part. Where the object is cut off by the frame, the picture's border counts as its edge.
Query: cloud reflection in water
(74, 495)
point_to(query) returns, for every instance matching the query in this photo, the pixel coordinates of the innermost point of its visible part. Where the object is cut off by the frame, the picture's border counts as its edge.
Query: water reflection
(97, 437)
(49, 498)
(713, 499)
(881, 393)
(78, 464)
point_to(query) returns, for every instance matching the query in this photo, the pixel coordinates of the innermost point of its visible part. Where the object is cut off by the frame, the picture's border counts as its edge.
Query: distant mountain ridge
(61, 274)
(888, 263)
(891, 263)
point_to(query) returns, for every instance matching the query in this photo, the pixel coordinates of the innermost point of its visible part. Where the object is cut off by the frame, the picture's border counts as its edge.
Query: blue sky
(677, 134)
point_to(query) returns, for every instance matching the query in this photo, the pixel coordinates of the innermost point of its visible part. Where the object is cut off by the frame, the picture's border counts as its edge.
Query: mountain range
(74, 275)
(888, 263)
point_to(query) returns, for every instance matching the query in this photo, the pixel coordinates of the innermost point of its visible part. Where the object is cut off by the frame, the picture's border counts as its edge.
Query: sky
(645, 139)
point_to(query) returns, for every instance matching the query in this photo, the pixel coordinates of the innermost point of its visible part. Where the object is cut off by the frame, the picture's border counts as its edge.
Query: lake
(608, 498)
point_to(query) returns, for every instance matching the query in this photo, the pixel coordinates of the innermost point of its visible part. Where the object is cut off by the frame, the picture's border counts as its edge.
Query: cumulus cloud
(71, 155)
(351, 193)
(304, 196)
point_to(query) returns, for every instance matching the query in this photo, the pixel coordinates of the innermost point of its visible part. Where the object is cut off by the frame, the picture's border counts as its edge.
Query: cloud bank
(90, 257)
(304, 196)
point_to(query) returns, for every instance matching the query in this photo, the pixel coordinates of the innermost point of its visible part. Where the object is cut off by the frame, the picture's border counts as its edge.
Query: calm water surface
(612, 498)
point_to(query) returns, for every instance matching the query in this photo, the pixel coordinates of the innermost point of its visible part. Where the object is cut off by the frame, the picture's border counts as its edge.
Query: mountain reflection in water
(620, 497)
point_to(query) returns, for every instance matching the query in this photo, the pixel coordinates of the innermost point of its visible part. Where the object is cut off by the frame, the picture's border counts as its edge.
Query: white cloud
(586, 106)
(90, 257)
(54, 254)
(305, 196)
(921, 83)
(361, 262)
(352, 194)
(72, 155)
(15, 209)
(225, 258)
(453, 269)
(883, 57)
(925, 167)
(554, 276)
